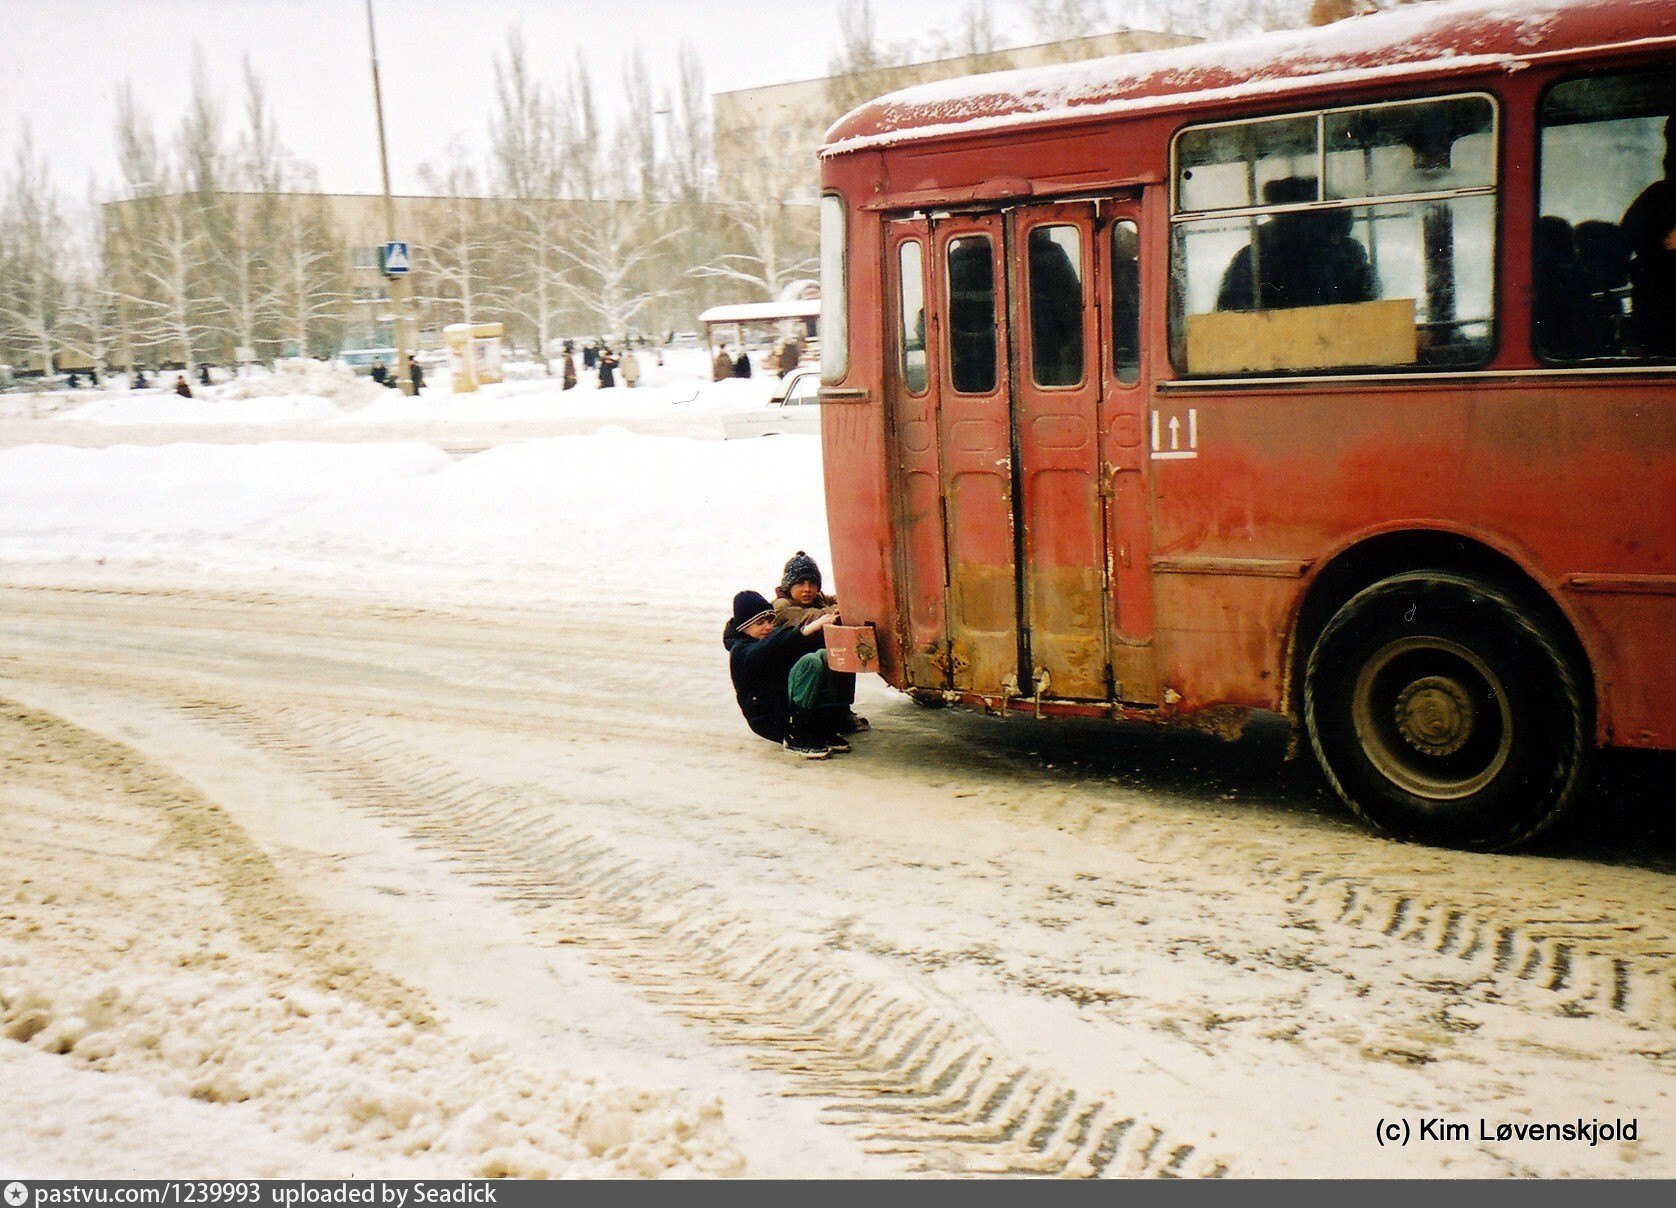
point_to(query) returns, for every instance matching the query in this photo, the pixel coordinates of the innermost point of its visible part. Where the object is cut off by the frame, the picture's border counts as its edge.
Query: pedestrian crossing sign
(395, 258)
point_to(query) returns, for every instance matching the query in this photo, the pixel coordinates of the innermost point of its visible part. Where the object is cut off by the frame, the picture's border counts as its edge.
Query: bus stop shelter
(731, 323)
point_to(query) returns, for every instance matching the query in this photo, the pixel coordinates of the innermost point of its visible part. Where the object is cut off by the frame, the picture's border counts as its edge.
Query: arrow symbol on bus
(1175, 432)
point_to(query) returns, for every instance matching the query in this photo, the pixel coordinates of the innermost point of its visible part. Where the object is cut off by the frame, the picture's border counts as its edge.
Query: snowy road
(369, 811)
(970, 946)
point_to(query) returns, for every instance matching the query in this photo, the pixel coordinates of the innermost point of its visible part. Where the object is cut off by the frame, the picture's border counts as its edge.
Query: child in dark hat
(780, 678)
(797, 601)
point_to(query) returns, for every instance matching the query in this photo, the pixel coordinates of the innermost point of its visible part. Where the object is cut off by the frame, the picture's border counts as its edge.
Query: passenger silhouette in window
(1649, 227)
(1307, 258)
(1559, 295)
(971, 316)
(1055, 310)
(1580, 274)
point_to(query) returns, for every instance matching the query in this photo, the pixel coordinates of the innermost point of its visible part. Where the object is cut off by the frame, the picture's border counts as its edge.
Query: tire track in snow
(1587, 951)
(918, 1086)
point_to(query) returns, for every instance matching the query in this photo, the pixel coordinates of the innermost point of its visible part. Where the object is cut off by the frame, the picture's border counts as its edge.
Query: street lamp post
(397, 284)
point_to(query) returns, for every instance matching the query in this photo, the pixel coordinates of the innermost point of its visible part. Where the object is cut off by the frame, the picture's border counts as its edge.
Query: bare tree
(617, 243)
(527, 164)
(773, 230)
(582, 141)
(35, 237)
(1062, 20)
(979, 32)
(249, 223)
(691, 169)
(637, 137)
(858, 70)
(691, 152)
(155, 245)
(310, 292)
(89, 328)
(455, 263)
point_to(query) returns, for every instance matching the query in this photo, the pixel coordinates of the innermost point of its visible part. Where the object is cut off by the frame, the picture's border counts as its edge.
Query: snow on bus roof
(1413, 40)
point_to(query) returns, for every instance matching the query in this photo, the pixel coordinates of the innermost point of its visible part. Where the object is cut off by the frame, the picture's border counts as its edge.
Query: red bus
(1330, 373)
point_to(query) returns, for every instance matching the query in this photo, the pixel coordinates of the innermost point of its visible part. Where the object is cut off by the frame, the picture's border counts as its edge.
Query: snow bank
(683, 521)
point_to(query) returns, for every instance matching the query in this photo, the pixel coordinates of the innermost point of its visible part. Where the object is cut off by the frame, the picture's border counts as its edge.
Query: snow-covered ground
(321, 499)
(482, 923)
(323, 494)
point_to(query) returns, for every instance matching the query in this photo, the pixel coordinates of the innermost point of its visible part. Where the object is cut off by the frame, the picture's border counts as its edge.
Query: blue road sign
(395, 258)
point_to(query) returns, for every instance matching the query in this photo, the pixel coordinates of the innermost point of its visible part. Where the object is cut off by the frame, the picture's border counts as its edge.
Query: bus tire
(1443, 712)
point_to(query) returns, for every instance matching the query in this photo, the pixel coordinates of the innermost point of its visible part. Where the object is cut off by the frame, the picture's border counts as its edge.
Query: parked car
(793, 408)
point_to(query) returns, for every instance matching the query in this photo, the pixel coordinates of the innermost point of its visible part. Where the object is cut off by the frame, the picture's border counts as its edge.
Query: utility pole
(396, 284)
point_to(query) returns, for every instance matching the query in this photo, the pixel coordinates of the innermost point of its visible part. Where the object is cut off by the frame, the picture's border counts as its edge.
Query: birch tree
(251, 221)
(455, 261)
(528, 168)
(35, 238)
(616, 246)
(89, 314)
(310, 288)
(771, 237)
(221, 285)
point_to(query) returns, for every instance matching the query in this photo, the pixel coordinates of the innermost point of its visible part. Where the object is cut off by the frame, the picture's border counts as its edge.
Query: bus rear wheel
(1443, 712)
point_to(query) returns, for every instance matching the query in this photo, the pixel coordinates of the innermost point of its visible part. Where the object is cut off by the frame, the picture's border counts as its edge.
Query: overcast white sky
(62, 61)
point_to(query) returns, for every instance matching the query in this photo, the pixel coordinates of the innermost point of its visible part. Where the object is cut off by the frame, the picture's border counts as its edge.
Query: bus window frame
(1495, 190)
(1616, 363)
(835, 294)
(1087, 298)
(998, 379)
(923, 246)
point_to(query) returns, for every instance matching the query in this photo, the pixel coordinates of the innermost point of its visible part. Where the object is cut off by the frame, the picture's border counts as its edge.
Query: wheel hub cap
(1435, 716)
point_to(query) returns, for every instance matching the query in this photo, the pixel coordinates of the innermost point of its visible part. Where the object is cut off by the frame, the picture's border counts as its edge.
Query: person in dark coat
(607, 369)
(139, 382)
(1649, 227)
(774, 669)
(742, 366)
(379, 373)
(182, 386)
(203, 375)
(569, 372)
(1300, 258)
(416, 375)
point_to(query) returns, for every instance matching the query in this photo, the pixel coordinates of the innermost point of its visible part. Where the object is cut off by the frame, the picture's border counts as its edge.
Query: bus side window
(972, 321)
(1396, 235)
(1126, 302)
(910, 333)
(1603, 259)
